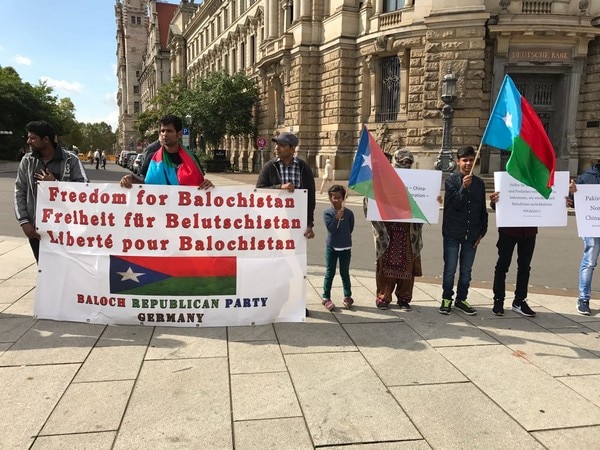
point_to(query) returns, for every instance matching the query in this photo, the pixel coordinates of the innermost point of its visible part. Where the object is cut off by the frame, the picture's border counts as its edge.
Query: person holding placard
(509, 237)
(591, 246)
(398, 251)
(465, 224)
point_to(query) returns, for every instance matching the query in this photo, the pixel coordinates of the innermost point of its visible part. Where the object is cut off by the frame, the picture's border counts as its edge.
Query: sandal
(348, 302)
(328, 304)
(381, 304)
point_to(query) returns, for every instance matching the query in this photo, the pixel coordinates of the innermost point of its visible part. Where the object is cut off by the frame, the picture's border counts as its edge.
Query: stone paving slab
(567, 306)
(399, 356)
(570, 438)
(313, 336)
(582, 337)
(116, 345)
(588, 386)
(83, 441)
(543, 348)
(548, 319)
(460, 416)
(272, 434)
(441, 330)
(263, 396)
(529, 395)
(344, 401)
(255, 357)
(177, 343)
(28, 394)
(50, 342)
(22, 307)
(89, 407)
(179, 403)
(12, 328)
(251, 333)
(10, 294)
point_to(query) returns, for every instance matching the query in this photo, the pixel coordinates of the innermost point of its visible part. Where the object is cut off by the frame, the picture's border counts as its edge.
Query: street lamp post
(445, 161)
(190, 142)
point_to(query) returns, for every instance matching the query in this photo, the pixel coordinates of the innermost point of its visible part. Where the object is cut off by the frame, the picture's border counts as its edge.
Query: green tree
(96, 136)
(168, 100)
(221, 105)
(22, 102)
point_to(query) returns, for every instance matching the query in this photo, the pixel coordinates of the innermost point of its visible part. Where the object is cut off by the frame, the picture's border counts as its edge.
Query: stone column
(304, 8)
(568, 139)
(371, 62)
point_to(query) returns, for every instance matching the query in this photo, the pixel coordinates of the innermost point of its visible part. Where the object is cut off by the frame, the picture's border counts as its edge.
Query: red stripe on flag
(390, 192)
(187, 266)
(532, 132)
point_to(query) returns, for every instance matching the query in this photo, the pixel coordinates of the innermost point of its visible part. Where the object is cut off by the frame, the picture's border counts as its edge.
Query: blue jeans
(331, 258)
(591, 249)
(455, 250)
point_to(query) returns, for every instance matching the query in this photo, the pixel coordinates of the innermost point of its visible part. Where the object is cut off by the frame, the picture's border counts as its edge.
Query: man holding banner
(171, 164)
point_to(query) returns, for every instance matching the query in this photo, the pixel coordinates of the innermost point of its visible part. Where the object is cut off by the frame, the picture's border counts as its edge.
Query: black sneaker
(523, 309)
(498, 308)
(583, 307)
(446, 306)
(465, 307)
(404, 306)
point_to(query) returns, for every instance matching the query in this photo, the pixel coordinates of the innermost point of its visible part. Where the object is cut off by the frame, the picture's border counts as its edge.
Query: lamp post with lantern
(445, 161)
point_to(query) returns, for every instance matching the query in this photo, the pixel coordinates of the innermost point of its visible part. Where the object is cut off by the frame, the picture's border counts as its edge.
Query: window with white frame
(393, 5)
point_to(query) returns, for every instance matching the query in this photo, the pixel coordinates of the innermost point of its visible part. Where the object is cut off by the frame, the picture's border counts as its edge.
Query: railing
(536, 7)
(390, 20)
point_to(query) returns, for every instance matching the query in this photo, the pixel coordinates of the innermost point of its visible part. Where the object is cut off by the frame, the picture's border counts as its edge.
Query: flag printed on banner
(373, 176)
(514, 126)
(173, 276)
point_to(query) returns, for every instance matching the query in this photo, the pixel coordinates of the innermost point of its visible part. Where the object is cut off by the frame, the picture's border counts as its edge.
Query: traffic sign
(261, 142)
(186, 131)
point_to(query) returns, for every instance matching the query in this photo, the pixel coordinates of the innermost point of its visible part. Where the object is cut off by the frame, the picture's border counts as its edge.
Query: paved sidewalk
(364, 378)
(361, 378)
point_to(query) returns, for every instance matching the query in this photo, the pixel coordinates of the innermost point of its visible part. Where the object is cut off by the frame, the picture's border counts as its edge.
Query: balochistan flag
(373, 176)
(515, 126)
(173, 275)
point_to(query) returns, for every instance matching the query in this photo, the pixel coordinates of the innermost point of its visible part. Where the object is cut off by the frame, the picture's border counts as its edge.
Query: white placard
(170, 255)
(587, 210)
(425, 187)
(523, 206)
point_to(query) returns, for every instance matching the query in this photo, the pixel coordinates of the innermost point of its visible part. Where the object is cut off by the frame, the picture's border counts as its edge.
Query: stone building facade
(326, 67)
(132, 25)
(156, 60)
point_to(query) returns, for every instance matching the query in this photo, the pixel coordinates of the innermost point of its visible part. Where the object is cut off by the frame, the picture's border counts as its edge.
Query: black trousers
(35, 247)
(506, 246)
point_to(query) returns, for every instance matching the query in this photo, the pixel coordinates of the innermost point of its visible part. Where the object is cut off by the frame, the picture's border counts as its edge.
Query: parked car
(120, 156)
(137, 163)
(130, 158)
(125, 158)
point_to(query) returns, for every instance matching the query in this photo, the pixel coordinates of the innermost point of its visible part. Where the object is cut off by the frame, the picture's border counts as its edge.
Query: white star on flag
(130, 275)
(367, 161)
(508, 120)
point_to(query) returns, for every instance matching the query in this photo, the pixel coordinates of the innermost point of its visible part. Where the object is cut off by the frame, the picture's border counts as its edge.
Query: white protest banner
(523, 206)
(587, 210)
(424, 186)
(170, 255)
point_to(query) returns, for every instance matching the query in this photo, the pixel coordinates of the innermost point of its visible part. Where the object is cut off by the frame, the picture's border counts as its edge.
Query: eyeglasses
(405, 162)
